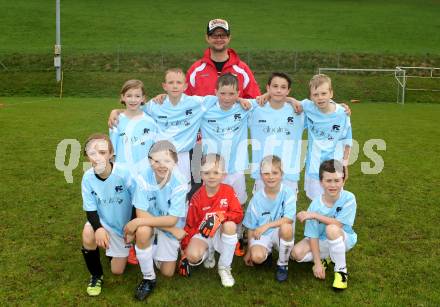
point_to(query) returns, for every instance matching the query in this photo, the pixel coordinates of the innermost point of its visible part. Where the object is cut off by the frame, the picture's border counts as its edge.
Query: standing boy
(277, 130)
(224, 131)
(329, 132)
(329, 226)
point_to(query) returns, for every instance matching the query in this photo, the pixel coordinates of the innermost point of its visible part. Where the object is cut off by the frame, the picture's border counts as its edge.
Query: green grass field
(104, 43)
(394, 263)
(406, 26)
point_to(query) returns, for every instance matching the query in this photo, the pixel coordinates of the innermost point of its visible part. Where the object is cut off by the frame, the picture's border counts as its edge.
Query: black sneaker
(145, 288)
(282, 273)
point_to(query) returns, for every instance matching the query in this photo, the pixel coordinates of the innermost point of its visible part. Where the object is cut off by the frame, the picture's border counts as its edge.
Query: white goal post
(401, 75)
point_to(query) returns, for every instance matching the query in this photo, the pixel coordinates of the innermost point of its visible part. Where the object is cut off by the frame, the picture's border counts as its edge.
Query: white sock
(145, 258)
(285, 250)
(307, 258)
(228, 248)
(337, 253)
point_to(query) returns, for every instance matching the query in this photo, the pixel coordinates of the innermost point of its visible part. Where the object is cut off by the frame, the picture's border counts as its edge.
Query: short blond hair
(214, 158)
(318, 80)
(273, 160)
(176, 70)
(128, 85)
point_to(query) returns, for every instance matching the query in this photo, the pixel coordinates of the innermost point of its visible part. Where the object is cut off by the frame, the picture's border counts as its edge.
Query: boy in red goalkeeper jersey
(211, 223)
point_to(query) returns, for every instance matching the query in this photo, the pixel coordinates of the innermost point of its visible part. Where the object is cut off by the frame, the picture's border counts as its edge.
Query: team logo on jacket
(119, 188)
(189, 112)
(237, 116)
(290, 120)
(223, 202)
(146, 130)
(336, 128)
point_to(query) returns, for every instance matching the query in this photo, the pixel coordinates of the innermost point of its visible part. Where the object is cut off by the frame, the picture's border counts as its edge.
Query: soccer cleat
(282, 273)
(94, 287)
(183, 268)
(209, 262)
(226, 276)
(340, 281)
(145, 288)
(132, 256)
(239, 248)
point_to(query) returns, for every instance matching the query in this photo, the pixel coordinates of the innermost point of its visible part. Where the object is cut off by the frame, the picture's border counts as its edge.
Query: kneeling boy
(270, 218)
(329, 221)
(107, 199)
(211, 224)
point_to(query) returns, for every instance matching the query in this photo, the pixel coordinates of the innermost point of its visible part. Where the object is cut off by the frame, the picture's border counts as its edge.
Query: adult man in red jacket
(218, 59)
(202, 76)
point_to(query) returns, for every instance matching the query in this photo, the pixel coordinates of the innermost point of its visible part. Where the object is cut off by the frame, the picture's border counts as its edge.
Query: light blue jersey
(112, 197)
(328, 134)
(133, 138)
(179, 123)
(277, 132)
(225, 132)
(344, 210)
(168, 200)
(262, 210)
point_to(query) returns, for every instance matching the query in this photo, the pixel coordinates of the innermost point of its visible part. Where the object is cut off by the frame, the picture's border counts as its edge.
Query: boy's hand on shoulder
(347, 109)
(102, 238)
(318, 270)
(261, 100)
(346, 173)
(296, 105)
(159, 99)
(245, 104)
(113, 118)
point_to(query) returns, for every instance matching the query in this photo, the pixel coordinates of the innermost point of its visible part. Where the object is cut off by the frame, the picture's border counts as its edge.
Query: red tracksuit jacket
(202, 76)
(201, 205)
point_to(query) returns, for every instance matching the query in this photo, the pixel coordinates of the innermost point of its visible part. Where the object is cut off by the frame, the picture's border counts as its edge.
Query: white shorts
(259, 185)
(184, 166)
(164, 247)
(214, 243)
(117, 246)
(238, 182)
(270, 241)
(324, 246)
(312, 187)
